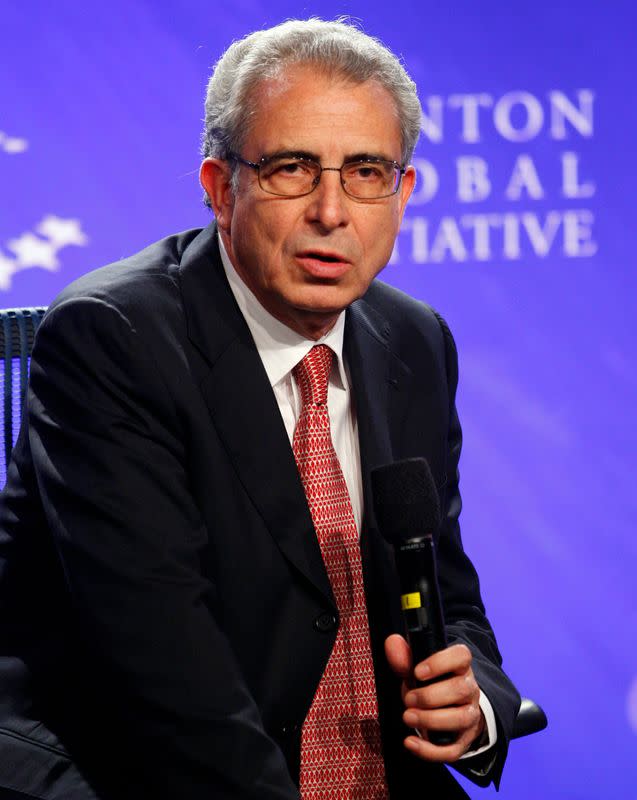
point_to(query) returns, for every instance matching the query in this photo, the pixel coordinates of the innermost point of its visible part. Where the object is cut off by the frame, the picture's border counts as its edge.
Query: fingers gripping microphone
(408, 514)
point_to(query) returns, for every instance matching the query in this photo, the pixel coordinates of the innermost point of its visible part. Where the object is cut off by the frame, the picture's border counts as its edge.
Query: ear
(407, 186)
(215, 176)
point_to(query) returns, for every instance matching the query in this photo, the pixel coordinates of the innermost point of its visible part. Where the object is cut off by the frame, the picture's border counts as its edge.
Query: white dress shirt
(281, 349)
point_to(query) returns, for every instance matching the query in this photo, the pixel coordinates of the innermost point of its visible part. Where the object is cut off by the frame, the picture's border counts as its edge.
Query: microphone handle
(422, 611)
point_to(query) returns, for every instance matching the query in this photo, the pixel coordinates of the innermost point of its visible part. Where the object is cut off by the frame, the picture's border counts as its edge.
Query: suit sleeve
(111, 470)
(464, 611)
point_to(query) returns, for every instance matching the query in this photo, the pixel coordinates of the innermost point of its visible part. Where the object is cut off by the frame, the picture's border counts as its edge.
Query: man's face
(307, 258)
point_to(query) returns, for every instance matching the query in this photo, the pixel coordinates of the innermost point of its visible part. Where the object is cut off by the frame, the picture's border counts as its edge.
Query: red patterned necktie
(341, 756)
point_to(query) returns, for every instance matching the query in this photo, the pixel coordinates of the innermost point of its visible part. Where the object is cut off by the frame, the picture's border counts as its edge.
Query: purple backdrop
(521, 233)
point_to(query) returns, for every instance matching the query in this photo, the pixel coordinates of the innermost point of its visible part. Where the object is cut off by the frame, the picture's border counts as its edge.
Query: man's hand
(451, 704)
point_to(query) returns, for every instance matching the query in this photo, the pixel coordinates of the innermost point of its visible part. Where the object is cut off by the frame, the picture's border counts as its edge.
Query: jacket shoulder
(406, 316)
(140, 280)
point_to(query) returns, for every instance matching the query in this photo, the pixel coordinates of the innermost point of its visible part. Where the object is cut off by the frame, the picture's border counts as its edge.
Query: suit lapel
(244, 410)
(380, 387)
(380, 384)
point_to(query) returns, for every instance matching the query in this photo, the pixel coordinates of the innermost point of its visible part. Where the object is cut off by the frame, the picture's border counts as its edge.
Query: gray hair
(337, 48)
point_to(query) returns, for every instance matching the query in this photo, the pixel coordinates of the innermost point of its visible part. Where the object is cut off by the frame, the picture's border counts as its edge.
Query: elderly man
(196, 602)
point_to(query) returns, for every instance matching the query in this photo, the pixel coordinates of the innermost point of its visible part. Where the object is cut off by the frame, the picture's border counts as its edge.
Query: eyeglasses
(291, 175)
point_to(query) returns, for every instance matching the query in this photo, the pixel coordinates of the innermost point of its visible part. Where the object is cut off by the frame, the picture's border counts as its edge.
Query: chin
(327, 307)
(328, 298)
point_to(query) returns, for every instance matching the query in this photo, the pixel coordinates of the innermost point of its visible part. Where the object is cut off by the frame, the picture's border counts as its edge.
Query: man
(196, 601)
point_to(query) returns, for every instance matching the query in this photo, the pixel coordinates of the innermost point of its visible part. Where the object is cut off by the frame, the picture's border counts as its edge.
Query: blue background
(100, 114)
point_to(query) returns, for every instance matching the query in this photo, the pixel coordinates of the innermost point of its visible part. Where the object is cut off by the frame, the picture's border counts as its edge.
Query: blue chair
(17, 332)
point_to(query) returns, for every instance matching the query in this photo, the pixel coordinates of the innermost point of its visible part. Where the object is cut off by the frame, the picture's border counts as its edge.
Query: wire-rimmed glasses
(295, 175)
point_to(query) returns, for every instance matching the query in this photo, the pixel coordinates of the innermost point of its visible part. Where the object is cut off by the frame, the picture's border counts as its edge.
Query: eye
(368, 172)
(365, 171)
(289, 168)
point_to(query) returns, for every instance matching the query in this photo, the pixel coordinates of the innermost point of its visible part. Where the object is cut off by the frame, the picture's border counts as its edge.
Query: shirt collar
(279, 347)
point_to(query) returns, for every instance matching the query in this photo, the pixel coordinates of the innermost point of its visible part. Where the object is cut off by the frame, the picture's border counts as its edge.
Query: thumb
(398, 654)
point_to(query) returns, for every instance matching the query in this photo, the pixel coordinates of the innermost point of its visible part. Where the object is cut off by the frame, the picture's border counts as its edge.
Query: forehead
(309, 110)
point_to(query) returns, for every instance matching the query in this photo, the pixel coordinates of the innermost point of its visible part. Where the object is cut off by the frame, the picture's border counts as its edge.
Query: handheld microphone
(408, 514)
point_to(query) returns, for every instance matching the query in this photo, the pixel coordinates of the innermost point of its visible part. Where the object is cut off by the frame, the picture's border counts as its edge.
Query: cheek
(379, 233)
(271, 232)
(261, 247)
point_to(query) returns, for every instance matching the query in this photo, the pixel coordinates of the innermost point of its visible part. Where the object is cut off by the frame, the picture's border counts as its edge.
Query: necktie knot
(312, 375)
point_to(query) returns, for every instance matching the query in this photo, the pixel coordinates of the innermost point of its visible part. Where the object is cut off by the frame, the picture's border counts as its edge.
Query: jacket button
(325, 622)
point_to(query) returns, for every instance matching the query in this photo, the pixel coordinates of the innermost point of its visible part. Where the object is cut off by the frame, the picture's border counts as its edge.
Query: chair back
(17, 331)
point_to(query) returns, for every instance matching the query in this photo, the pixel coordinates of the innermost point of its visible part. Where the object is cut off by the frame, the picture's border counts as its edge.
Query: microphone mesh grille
(405, 499)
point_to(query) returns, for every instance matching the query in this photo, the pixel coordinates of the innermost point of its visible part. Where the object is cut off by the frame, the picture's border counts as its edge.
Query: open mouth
(326, 258)
(323, 266)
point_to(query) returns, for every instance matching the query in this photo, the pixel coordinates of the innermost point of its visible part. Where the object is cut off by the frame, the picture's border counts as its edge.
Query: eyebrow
(368, 157)
(292, 154)
(315, 157)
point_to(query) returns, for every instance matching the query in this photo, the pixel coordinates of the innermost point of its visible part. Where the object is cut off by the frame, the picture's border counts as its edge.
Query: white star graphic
(31, 251)
(61, 231)
(12, 144)
(7, 268)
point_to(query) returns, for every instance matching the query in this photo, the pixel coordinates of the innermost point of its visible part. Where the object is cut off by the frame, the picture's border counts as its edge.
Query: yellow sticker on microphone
(409, 601)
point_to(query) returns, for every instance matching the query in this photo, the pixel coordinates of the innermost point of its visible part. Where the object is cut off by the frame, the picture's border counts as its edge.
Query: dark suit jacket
(162, 592)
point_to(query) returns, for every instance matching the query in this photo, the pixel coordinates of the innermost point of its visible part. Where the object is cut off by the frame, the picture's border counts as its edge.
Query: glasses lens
(288, 177)
(370, 180)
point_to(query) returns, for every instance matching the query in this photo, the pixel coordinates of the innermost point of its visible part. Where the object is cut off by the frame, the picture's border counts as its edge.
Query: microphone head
(405, 500)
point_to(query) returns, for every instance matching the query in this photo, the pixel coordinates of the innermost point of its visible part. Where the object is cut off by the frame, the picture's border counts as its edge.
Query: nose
(329, 205)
